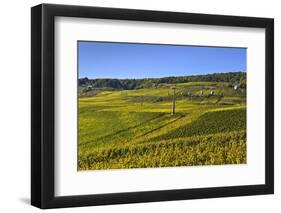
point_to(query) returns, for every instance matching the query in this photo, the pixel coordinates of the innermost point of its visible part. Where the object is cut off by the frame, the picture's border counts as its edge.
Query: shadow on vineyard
(210, 123)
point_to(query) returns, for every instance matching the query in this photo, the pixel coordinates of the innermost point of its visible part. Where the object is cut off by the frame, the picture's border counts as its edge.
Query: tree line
(234, 78)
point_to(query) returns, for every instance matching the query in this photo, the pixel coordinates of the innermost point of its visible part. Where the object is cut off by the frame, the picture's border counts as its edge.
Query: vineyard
(135, 128)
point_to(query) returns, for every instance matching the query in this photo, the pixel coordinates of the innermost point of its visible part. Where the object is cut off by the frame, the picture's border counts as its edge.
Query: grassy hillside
(135, 128)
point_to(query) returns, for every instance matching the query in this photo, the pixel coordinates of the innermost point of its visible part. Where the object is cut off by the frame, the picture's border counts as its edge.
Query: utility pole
(174, 101)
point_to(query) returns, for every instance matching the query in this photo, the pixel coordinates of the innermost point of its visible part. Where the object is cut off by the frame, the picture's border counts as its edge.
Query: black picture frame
(43, 110)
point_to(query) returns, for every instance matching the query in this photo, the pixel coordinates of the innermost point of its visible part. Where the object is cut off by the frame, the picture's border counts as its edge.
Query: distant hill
(129, 84)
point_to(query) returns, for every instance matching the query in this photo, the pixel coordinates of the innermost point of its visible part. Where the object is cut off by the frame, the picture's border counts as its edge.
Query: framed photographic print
(139, 106)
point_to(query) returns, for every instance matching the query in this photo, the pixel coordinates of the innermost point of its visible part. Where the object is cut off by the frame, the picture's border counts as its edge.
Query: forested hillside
(233, 78)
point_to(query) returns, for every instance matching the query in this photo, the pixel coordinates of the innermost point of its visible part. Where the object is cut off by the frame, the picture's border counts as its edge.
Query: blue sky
(131, 60)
